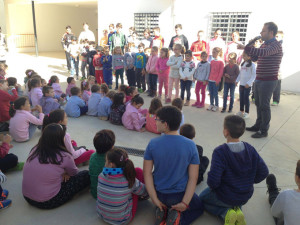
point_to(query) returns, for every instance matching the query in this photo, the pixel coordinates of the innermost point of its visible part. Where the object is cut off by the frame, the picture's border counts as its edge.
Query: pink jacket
(161, 64)
(85, 96)
(68, 90)
(151, 64)
(133, 119)
(35, 95)
(216, 70)
(151, 123)
(19, 124)
(57, 89)
(71, 149)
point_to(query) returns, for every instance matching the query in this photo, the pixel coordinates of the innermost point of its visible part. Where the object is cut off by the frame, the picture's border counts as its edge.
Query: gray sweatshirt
(202, 71)
(174, 63)
(117, 62)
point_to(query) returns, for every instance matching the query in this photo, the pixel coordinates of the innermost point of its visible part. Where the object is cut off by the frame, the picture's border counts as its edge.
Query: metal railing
(21, 40)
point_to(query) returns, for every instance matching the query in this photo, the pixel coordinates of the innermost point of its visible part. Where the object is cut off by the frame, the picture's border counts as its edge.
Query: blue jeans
(228, 87)
(192, 213)
(74, 65)
(31, 130)
(185, 85)
(213, 93)
(244, 98)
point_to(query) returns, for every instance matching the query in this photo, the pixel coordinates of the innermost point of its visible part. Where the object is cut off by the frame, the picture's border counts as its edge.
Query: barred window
(145, 20)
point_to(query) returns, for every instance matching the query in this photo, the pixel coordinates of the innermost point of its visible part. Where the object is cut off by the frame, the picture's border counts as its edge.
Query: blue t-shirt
(73, 106)
(171, 156)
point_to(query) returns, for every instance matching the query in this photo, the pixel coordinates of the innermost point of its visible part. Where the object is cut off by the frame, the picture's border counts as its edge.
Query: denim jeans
(185, 85)
(213, 93)
(130, 77)
(68, 60)
(153, 81)
(228, 87)
(244, 98)
(31, 129)
(192, 213)
(276, 92)
(119, 73)
(74, 66)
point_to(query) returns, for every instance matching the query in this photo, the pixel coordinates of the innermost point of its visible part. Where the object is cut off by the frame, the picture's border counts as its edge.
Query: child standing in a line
(215, 75)
(139, 67)
(98, 65)
(231, 72)
(75, 107)
(118, 65)
(84, 49)
(151, 70)
(106, 61)
(186, 71)
(201, 75)
(158, 40)
(129, 59)
(86, 91)
(74, 51)
(163, 72)
(117, 109)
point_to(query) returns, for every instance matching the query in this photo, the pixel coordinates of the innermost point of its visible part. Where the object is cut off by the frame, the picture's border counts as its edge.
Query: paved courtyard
(280, 150)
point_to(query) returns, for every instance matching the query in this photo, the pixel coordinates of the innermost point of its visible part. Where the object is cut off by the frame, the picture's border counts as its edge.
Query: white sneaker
(210, 107)
(246, 115)
(239, 114)
(215, 108)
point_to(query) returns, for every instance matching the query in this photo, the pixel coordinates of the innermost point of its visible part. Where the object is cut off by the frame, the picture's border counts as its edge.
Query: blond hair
(115, 49)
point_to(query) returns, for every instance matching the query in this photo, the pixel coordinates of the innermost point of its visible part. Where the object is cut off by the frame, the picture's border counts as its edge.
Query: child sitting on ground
(151, 115)
(119, 182)
(75, 107)
(48, 102)
(35, 91)
(134, 118)
(235, 167)
(130, 93)
(105, 105)
(117, 109)
(178, 103)
(29, 74)
(4, 202)
(12, 82)
(94, 100)
(22, 123)
(104, 141)
(7, 160)
(86, 91)
(54, 82)
(71, 83)
(122, 89)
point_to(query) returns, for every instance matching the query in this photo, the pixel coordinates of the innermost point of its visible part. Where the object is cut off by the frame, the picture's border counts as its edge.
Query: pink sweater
(151, 123)
(216, 70)
(19, 124)
(36, 94)
(57, 89)
(161, 64)
(133, 119)
(68, 90)
(151, 64)
(71, 149)
(85, 96)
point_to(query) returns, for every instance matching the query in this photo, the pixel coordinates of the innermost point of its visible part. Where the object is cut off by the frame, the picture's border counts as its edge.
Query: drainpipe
(34, 28)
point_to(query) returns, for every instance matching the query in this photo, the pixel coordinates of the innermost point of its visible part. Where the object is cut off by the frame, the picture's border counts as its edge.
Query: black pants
(68, 60)
(140, 79)
(68, 189)
(130, 77)
(185, 86)
(244, 98)
(8, 162)
(276, 92)
(153, 81)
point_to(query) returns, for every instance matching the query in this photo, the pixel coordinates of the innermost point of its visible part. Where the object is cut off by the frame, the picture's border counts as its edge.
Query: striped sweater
(114, 198)
(268, 58)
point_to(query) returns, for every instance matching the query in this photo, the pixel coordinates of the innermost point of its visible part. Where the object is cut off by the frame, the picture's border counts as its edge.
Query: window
(229, 22)
(145, 20)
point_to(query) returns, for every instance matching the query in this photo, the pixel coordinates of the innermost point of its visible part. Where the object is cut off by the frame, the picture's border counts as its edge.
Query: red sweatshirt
(97, 61)
(5, 99)
(216, 70)
(4, 148)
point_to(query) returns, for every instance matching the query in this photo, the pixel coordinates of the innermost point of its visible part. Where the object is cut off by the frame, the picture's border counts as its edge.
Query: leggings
(84, 157)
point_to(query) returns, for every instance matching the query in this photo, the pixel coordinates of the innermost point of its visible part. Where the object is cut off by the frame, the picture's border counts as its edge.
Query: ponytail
(54, 117)
(52, 80)
(137, 100)
(129, 172)
(17, 105)
(129, 90)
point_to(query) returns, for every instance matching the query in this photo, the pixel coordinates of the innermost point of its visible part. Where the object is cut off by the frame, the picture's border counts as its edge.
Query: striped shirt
(268, 57)
(114, 198)
(2, 178)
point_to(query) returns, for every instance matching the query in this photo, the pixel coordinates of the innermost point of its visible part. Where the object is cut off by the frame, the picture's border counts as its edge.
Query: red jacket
(97, 61)
(5, 99)
(4, 148)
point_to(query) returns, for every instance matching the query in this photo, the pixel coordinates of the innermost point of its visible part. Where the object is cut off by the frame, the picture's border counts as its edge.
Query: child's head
(104, 141)
(53, 79)
(3, 69)
(234, 127)
(43, 82)
(91, 80)
(85, 85)
(110, 94)
(131, 30)
(218, 33)
(95, 88)
(154, 50)
(119, 27)
(48, 91)
(164, 53)
(178, 49)
(130, 47)
(134, 35)
(131, 91)
(141, 47)
(104, 89)
(188, 55)
(178, 29)
(99, 50)
(168, 118)
(137, 101)
(297, 174)
(105, 32)
(11, 81)
(156, 31)
(122, 88)
(188, 131)
(118, 158)
(155, 105)
(203, 56)
(75, 91)
(74, 40)
(200, 35)
(147, 51)
(71, 80)
(178, 103)
(92, 44)
(217, 52)
(29, 73)
(68, 29)
(3, 85)
(106, 50)
(247, 58)
(111, 27)
(22, 103)
(235, 36)
(279, 35)
(56, 116)
(33, 83)
(147, 33)
(117, 51)
(232, 58)
(118, 100)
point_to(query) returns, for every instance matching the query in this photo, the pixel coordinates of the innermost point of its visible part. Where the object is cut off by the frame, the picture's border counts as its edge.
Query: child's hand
(65, 177)
(143, 129)
(7, 139)
(179, 207)
(186, 78)
(227, 75)
(39, 108)
(159, 204)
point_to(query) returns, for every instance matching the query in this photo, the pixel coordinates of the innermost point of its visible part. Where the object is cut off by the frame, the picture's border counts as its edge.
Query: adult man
(176, 164)
(268, 58)
(179, 38)
(118, 38)
(66, 41)
(86, 34)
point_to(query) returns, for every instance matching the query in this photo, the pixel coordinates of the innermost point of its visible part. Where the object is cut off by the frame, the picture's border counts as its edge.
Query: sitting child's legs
(83, 110)
(84, 157)
(135, 198)
(8, 162)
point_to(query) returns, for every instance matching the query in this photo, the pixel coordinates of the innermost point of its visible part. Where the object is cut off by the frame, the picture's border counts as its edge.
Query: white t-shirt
(86, 35)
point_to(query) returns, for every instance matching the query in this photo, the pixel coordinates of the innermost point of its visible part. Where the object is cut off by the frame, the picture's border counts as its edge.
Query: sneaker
(160, 216)
(140, 90)
(239, 114)
(173, 217)
(246, 115)
(215, 109)
(223, 110)
(4, 204)
(240, 218)
(253, 129)
(4, 195)
(273, 190)
(274, 104)
(210, 107)
(195, 104)
(231, 217)
(168, 100)
(201, 105)
(187, 103)
(230, 111)
(259, 134)
(18, 167)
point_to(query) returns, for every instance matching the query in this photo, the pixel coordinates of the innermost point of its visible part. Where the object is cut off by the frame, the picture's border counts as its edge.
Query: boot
(273, 190)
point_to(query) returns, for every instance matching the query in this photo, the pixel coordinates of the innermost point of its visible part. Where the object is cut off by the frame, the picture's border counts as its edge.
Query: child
(104, 39)
(235, 167)
(54, 82)
(199, 46)
(122, 89)
(117, 109)
(4, 202)
(151, 115)
(118, 65)
(147, 38)
(178, 103)
(129, 59)
(98, 65)
(47, 102)
(246, 78)
(188, 131)
(163, 72)
(75, 107)
(130, 93)
(22, 123)
(74, 51)
(231, 72)
(158, 40)
(215, 75)
(36, 93)
(5, 99)
(12, 82)
(106, 61)
(186, 71)
(134, 118)
(86, 91)
(118, 183)
(29, 74)
(92, 80)
(104, 141)
(7, 160)
(43, 82)
(139, 68)
(84, 49)
(105, 105)
(152, 71)
(111, 28)
(147, 80)
(71, 83)
(94, 100)
(90, 56)
(201, 75)
(81, 154)
(174, 77)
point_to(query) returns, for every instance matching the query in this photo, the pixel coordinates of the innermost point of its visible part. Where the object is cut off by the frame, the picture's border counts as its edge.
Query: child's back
(93, 103)
(73, 106)
(36, 95)
(48, 104)
(97, 162)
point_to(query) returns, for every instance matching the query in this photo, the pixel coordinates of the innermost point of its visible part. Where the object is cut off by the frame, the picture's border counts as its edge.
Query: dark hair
(85, 23)
(104, 140)
(249, 61)
(73, 38)
(50, 146)
(232, 55)
(95, 88)
(204, 53)
(141, 45)
(166, 50)
(33, 82)
(12, 81)
(235, 125)
(298, 168)
(54, 117)
(171, 115)
(178, 26)
(29, 73)
(75, 91)
(84, 85)
(111, 94)
(69, 79)
(130, 90)
(119, 25)
(188, 131)
(123, 87)
(52, 80)
(217, 30)
(272, 27)
(17, 105)
(46, 90)
(118, 100)
(68, 27)
(120, 158)
(178, 103)
(155, 105)
(104, 88)
(189, 53)
(137, 100)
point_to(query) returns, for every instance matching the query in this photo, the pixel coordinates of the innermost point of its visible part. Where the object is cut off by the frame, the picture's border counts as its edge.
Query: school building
(52, 16)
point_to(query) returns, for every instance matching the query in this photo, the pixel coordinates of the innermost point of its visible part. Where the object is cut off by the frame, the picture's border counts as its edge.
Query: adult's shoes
(259, 134)
(252, 129)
